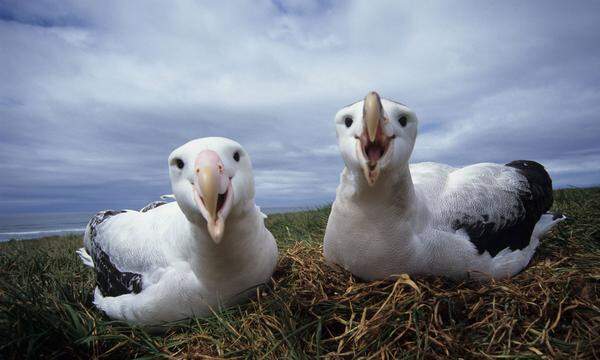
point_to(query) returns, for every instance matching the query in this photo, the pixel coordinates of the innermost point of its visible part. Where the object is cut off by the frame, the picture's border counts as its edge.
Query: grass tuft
(309, 309)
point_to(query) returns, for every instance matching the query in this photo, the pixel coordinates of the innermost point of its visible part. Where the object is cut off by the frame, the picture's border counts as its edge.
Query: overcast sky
(94, 96)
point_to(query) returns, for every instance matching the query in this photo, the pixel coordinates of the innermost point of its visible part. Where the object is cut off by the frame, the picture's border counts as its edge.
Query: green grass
(551, 309)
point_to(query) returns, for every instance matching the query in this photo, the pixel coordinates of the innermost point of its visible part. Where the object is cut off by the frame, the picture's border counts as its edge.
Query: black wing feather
(152, 205)
(516, 233)
(109, 279)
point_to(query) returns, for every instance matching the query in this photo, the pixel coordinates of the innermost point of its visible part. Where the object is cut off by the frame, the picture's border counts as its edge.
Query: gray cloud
(93, 97)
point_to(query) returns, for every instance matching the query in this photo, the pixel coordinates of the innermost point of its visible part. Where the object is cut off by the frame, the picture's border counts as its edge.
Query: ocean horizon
(27, 226)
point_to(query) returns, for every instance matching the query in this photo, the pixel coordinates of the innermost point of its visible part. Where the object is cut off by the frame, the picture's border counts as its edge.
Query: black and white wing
(109, 278)
(497, 205)
(124, 246)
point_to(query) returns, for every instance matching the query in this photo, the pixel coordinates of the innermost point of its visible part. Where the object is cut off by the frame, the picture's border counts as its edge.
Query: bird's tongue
(374, 153)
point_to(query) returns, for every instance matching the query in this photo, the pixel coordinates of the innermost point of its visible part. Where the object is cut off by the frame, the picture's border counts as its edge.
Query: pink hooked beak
(213, 192)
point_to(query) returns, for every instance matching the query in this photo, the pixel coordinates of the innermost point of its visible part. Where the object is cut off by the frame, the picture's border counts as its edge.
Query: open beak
(373, 144)
(213, 192)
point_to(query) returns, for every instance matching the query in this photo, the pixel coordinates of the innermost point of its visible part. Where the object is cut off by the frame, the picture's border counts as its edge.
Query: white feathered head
(210, 177)
(375, 135)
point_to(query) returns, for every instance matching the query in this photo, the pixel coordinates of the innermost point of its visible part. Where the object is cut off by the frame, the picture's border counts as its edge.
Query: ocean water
(33, 226)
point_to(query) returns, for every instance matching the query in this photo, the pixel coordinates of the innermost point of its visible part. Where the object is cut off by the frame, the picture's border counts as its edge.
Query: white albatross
(187, 258)
(388, 218)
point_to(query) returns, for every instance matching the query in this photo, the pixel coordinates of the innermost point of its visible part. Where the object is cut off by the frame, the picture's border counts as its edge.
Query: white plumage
(174, 260)
(389, 218)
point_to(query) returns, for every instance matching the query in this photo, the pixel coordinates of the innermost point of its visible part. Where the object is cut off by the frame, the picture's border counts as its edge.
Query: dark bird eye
(348, 121)
(179, 163)
(402, 120)
(236, 156)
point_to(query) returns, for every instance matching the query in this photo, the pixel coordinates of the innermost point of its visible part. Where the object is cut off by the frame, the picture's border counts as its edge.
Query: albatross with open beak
(389, 218)
(210, 248)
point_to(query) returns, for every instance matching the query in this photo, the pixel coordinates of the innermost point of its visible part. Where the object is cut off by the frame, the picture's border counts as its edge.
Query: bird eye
(402, 120)
(179, 163)
(236, 156)
(348, 121)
